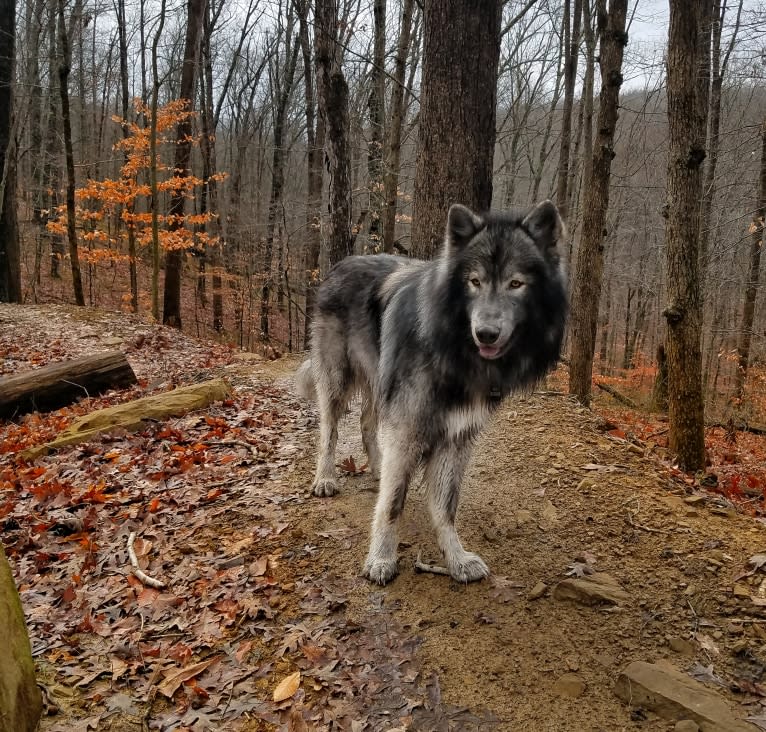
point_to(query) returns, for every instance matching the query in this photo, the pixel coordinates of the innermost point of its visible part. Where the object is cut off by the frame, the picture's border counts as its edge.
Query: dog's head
(508, 265)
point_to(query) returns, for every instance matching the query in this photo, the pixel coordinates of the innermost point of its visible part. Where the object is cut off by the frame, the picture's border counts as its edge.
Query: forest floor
(263, 594)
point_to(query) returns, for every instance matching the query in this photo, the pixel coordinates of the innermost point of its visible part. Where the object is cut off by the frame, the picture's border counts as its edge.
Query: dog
(433, 348)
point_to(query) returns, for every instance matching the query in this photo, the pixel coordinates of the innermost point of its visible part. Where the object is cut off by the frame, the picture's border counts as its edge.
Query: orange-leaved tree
(108, 210)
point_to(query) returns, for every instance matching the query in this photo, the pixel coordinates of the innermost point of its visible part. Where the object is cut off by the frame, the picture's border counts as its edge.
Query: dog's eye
(475, 281)
(515, 284)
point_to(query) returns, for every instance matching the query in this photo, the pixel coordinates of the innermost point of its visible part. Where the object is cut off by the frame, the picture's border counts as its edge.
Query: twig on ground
(145, 578)
(421, 566)
(650, 529)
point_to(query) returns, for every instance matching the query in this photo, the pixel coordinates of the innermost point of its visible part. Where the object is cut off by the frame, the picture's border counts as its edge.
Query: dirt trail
(546, 492)
(531, 510)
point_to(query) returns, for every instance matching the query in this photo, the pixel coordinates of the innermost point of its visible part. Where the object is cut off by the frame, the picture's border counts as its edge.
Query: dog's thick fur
(433, 347)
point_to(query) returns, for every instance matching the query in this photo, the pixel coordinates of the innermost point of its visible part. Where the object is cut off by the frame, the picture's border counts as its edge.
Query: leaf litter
(240, 628)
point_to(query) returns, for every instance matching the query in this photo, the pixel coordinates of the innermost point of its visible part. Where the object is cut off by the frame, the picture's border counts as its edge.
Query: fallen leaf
(707, 644)
(287, 687)
(259, 566)
(705, 673)
(175, 677)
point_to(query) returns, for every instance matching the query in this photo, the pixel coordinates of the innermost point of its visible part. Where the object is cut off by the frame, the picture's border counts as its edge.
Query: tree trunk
(590, 257)
(332, 98)
(282, 88)
(376, 106)
(715, 77)
(153, 162)
(52, 151)
(315, 144)
(10, 254)
(59, 384)
(456, 139)
(125, 100)
(394, 137)
(572, 50)
(66, 119)
(21, 703)
(171, 310)
(687, 54)
(751, 288)
(660, 392)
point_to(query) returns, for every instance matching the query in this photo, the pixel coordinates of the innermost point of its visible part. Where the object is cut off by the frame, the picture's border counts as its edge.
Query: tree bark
(394, 137)
(753, 276)
(376, 107)
(572, 50)
(21, 703)
(456, 139)
(66, 119)
(332, 98)
(125, 101)
(590, 257)
(10, 253)
(52, 150)
(174, 259)
(687, 54)
(59, 384)
(314, 144)
(282, 88)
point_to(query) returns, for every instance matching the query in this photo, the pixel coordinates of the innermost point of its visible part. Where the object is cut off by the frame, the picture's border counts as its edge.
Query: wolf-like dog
(434, 347)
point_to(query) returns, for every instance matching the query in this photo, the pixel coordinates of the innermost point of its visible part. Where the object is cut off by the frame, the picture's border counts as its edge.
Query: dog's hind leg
(398, 462)
(444, 474)
(332, 391)
(369, 425)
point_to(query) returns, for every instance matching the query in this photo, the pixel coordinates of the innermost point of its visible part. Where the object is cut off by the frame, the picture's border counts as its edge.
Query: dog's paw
(467, 567)
(381, 571)
(324, 487)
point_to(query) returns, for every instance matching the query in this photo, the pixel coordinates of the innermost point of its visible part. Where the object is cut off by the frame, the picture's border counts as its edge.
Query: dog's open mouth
(489, 352)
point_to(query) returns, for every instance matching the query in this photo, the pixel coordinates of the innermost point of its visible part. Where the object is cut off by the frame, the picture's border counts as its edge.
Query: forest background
(220, 213)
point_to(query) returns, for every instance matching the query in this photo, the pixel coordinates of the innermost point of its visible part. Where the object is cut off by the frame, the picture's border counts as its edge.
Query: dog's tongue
(488, 351)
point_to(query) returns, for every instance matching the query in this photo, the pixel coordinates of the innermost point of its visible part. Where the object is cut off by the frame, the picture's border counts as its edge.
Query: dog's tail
(304, 381)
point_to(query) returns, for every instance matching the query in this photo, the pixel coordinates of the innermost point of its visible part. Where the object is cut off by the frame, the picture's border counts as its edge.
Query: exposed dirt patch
(532, 510)
(547, 493)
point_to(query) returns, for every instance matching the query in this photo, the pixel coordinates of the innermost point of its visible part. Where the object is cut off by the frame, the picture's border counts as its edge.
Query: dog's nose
(487, 334)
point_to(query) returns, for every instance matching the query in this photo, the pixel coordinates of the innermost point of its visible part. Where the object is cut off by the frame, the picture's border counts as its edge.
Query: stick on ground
(421, 566)
(145, 578)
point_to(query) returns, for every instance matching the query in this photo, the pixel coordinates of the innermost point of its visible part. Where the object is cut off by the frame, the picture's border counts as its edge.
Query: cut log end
(61, 384)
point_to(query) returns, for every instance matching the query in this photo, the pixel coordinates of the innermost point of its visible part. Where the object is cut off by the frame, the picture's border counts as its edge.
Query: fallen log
(59, 384)
(755, 429)
(133, 415)
(627, 401)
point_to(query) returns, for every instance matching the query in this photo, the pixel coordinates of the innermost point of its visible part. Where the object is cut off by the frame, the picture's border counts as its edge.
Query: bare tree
(125, 106)
(281, 74)
(314, 144)
(715, 73)
(687, 98)
(66, 120)
(10, 258)
(376, 105)
(456, 137)
(394, 136)
(171, 312)
(571, 47)
(590, 257)
(332, 102)
(753, 275)
(153, 184)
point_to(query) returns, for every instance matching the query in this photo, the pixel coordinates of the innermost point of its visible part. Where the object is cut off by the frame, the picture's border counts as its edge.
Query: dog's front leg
(444, 475)
(398, 462)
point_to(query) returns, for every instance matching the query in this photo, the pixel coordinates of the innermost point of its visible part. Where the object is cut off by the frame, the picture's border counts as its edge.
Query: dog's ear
(462, 225)
(544, 225)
